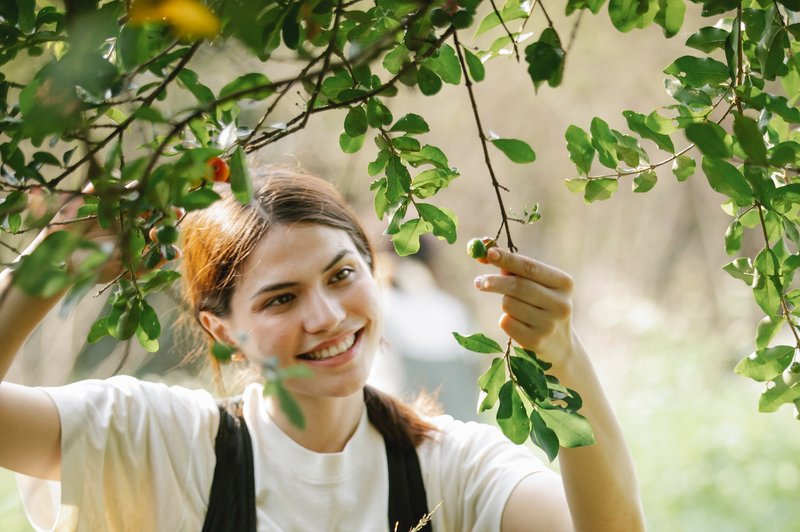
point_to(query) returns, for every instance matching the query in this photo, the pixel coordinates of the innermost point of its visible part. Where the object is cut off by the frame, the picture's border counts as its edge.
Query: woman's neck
(330, 421)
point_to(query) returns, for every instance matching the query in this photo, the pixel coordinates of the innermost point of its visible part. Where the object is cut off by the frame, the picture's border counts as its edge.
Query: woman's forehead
(288, 247)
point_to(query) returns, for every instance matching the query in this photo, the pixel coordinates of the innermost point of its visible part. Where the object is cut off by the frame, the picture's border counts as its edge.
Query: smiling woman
(288, 280)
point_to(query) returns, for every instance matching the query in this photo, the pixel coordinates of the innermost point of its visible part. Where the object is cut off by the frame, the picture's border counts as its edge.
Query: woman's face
(306, 296)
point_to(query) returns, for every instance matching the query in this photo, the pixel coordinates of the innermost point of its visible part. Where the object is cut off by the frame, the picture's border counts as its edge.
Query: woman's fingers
(528, 292)
(529, 268)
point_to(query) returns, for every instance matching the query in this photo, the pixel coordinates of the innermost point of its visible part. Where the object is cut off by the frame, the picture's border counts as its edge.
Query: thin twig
(274, 136)
(549, 20)
(621, 173)
(495, 184)
(574, 31)
(739, 55)
(277, 100)
(75, 220)
(147, 101)
(787, 314)
(508, 32)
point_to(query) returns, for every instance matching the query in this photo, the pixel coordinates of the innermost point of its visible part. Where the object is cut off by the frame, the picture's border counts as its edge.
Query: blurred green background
(663, 322)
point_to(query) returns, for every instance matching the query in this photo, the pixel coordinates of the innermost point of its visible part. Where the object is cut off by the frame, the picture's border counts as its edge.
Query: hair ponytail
(399, 423)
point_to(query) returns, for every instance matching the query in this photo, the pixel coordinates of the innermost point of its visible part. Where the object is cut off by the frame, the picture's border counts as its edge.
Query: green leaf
(406, 240)
(289, 406)
(670, 16)
(406, 143)
(444, 224)
(726, 179)
(600, 189)
(16, 201)
(767, 328)
(241, 183)
(529, 377)
(198, 199)
(378, 115)
(741, 269)
(572, 429)
(770, 49)
(148, 321)
(543, 436)
(581, 152)
(355, 123)
(750, 139)
(429, 83)
(511, 414)
(683, 167)
(604, 141)
(767, 294)
(545, 59)
(222, 352)
(148, 344)
(445, 64)
(191, 81)
(479, 343)
(763, 369)
(411, 123)
(708, 39)
(98, 330)
(733, 237)
(636, 123)
(628, 149)
(376, 166)
(491, 382)
(475, 66)
(531, 355)
(127, 322)
(43, 273)
(778, 395)
(698, 71)
(710, 139)
(149, 114)
(350, 144)
(398, 179)
(624, 14)
(644, 181)
(516, 150)
(256, 86)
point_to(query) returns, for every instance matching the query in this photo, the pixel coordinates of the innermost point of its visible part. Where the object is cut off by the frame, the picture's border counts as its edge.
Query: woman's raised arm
(600, 491)
(30, 429)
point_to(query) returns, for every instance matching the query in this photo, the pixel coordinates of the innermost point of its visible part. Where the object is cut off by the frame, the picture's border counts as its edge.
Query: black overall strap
(232, 503)
(407, 501)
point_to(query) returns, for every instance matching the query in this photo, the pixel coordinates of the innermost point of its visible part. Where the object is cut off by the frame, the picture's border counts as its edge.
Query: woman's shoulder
(131, 396)
(471, 442)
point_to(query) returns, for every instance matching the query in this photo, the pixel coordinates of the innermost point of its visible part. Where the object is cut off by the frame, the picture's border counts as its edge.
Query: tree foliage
(105, 67)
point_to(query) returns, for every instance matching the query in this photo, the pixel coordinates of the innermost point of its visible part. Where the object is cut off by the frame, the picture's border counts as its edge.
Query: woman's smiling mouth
(331, 352)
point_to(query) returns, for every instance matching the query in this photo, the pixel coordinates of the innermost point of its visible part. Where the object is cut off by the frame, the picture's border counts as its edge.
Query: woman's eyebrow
(336, 259)
(290, 284)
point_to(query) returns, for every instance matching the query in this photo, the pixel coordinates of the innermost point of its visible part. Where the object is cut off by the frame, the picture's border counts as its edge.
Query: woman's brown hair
(217, 240)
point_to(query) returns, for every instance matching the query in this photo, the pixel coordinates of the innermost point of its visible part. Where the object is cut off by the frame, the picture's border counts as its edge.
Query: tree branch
(495, 184)
(508, 32)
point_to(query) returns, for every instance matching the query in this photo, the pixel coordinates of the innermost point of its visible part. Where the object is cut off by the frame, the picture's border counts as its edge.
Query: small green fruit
(463, 19)
(167, 234)
(476, 248)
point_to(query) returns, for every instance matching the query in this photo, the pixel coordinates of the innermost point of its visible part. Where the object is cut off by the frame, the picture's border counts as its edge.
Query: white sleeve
(134, 456)
(471, 468)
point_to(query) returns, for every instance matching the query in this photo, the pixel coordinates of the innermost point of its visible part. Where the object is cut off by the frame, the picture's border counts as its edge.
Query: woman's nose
(324, 313)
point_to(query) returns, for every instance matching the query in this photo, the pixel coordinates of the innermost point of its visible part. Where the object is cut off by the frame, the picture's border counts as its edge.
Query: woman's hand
(537, 303)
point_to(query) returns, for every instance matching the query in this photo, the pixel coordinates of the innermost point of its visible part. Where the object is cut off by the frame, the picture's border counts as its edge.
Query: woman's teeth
(332, 351)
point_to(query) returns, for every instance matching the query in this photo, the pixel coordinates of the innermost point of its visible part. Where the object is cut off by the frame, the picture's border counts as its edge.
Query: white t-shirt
(140, 456)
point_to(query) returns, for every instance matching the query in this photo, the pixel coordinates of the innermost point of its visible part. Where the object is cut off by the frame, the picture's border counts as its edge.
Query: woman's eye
(343, 274)
(279, 300)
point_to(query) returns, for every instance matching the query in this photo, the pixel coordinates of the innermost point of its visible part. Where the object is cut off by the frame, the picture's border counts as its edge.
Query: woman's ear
(216, 327)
